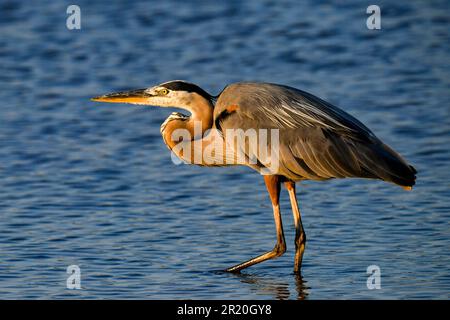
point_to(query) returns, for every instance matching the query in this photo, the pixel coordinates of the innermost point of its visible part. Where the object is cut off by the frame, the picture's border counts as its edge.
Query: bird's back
(317, 140)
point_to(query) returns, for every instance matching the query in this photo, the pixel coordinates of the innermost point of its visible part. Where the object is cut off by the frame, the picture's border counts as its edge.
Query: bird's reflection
(301, 287)
(278, 289)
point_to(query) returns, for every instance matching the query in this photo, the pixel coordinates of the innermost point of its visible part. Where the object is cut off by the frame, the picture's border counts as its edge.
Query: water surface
(93, 184)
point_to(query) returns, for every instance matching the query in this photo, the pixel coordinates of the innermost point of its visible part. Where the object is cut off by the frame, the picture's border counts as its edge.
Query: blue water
(93, 184)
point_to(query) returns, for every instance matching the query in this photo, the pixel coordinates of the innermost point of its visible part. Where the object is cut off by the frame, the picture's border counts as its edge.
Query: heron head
(175, 93)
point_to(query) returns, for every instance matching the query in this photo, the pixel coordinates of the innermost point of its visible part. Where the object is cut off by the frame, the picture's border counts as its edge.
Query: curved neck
(201, 118)
(194, 126)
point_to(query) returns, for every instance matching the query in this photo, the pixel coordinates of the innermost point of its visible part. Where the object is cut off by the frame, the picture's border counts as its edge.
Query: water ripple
(93, 185)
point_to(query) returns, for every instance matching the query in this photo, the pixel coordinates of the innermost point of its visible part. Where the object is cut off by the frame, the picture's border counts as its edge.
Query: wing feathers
(317, 140)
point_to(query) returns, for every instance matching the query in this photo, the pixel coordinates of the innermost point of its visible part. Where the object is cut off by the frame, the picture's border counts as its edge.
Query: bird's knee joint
(301, 240)
(279, 249)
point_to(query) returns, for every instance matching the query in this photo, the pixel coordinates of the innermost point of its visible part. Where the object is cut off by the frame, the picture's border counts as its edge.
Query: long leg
(300, 236)
(273, 187)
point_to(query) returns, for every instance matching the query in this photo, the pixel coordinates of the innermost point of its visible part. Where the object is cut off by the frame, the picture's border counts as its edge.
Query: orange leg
(300, 236)
(273, 185)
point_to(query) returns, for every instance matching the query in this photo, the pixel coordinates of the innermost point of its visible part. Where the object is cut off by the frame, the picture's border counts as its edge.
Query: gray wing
(284, 107)
(317, 140)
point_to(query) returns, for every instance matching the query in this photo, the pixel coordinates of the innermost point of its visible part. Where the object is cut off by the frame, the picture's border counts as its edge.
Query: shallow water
(93, 184)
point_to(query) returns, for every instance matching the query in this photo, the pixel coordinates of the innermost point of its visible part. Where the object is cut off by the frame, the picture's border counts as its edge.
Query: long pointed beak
(139, 96)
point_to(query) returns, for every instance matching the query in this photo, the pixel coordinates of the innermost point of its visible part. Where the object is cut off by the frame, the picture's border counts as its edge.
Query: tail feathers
(384, 163)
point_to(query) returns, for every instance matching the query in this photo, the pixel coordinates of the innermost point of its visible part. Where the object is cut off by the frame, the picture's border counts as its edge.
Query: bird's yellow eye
(163, 92)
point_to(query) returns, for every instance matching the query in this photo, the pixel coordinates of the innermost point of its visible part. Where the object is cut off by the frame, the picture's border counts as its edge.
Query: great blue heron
(317, 141)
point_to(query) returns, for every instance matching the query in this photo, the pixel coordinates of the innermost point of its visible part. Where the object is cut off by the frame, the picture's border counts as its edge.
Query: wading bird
(317, 141)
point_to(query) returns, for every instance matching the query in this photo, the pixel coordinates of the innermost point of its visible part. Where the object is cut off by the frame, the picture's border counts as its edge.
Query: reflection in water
(300, 285)
(279, 290)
